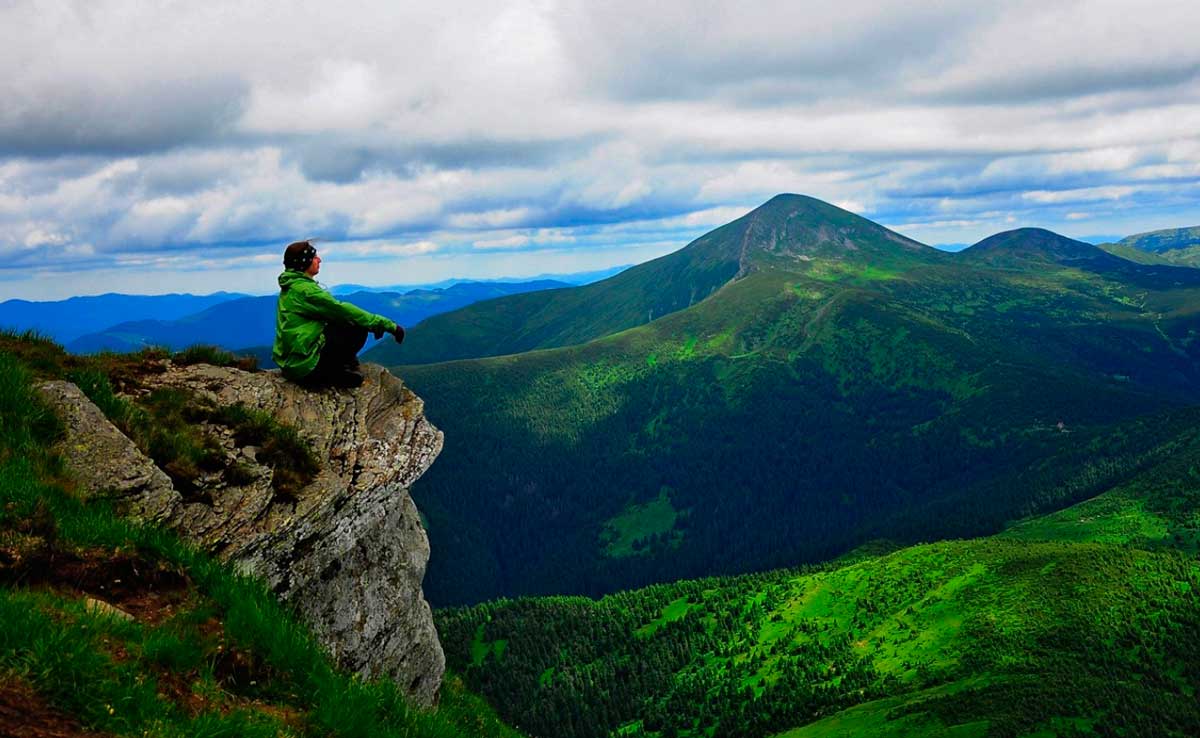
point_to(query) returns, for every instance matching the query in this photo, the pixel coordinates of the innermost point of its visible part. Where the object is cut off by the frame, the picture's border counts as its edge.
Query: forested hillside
(848, 385)
(1084, 622)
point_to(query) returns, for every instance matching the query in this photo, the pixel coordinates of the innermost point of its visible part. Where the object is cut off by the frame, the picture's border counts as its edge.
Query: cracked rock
(347, 550)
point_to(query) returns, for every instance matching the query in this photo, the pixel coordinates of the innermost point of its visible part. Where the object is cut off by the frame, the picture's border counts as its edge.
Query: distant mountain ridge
(1034, 248)
(250, 321)
(789, 230)
(66, 320)
(570, 278)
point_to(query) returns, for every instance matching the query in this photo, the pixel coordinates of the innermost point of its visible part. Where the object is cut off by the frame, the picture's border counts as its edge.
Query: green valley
(1057, 627)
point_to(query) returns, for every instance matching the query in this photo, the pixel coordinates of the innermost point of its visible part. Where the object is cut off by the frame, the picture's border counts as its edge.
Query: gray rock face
(348, 550)
(106, 464)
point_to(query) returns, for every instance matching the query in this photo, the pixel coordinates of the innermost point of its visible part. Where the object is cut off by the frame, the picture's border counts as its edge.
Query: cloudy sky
(149, 147)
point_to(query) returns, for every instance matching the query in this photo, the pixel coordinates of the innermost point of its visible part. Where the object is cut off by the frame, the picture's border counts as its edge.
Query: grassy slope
(1135, 255)
(1158, 510)
(856, 393)
(207, 653)
(1002, 636)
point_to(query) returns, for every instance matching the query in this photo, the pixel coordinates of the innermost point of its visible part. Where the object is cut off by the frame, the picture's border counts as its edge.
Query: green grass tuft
(205, 354)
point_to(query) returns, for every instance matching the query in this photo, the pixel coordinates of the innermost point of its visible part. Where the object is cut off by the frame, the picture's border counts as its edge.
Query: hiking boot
(346, 379)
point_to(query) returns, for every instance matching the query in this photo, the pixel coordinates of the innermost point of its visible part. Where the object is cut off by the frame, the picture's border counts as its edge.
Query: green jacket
(303, 309)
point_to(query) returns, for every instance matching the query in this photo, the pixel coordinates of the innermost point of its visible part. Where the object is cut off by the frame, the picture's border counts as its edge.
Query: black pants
(342, 344)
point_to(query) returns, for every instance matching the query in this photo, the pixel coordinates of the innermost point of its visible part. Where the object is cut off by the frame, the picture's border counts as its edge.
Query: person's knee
(359, 338)
(344, 332)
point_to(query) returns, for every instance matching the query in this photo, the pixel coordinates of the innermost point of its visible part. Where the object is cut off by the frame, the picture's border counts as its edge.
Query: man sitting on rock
(318, 337)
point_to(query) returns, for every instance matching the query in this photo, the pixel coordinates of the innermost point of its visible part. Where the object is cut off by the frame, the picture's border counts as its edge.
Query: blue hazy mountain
(574, 278)
(66, 320)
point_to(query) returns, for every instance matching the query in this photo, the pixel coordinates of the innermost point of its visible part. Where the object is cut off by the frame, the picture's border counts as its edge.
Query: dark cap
(299, 255)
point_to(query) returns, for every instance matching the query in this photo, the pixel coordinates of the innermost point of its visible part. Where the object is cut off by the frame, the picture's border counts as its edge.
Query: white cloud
(705, 217)
(507, 242)
(855, 206)
(1037, 50)
(540, 238)
(38, 237)
(378, 249)
(1086, 194)
(501, 218)
(1107, 159)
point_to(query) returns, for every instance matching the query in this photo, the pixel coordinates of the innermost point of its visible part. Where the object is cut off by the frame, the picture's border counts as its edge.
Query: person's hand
(398, 334)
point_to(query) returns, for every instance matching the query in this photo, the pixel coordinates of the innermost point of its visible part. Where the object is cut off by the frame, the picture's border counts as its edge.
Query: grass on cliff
(208, 653)
(172, 427)
(46, 358)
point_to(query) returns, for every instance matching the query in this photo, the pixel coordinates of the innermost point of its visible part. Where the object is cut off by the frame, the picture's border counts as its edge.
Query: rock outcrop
(105, 463)
(347, 550)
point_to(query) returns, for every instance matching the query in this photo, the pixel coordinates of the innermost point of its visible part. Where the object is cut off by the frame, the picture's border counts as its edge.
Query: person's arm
(318, 303)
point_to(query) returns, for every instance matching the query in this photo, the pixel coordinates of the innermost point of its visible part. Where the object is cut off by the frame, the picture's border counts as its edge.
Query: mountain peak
(1023, 245)
(789, 230)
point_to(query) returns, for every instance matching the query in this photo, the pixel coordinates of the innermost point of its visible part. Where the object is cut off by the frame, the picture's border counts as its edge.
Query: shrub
(280, 446)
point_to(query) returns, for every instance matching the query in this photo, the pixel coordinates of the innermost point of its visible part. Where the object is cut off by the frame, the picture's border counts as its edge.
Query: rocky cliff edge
(347, 550)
